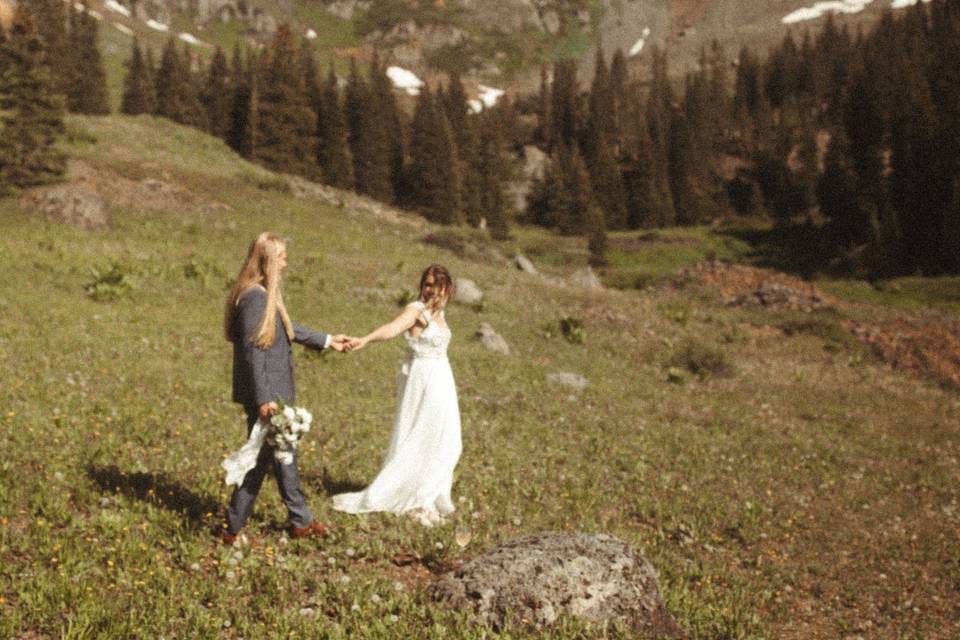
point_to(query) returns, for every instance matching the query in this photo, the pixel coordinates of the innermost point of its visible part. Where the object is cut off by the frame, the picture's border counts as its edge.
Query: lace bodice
(432, 342)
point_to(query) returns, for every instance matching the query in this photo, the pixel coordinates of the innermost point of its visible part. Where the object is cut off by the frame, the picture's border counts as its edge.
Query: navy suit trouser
(288, 482)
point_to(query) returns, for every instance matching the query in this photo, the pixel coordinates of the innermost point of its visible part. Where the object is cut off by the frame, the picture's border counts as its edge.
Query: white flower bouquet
(283, 432)
(287, 428)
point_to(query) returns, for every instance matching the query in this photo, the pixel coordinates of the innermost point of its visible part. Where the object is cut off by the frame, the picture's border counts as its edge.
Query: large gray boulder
(594, 577)
(492, 340)
(523, 264)
(68, 204)
(467, 292)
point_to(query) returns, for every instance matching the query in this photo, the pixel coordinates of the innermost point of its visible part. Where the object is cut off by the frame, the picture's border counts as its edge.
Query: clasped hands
(346, 344)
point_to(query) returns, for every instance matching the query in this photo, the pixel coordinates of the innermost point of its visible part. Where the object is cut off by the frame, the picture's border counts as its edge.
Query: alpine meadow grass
(807, 492)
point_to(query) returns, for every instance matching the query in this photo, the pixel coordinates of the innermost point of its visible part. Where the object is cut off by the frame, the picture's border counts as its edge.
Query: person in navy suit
(257, 323)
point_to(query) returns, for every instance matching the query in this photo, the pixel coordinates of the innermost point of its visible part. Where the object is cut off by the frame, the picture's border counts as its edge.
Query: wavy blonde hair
(261, 268)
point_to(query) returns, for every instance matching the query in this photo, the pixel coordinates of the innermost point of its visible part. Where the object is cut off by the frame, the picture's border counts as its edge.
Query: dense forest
(849, 140)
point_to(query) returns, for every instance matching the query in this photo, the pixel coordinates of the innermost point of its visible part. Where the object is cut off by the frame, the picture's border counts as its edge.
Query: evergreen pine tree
(169, 80)
(286, 138)
(619, 81)
(242, 125)
(659, 115)
(565, 103)
(31, 113)
(366, 134)
(596, 236)
(333, 150)
(576, 196)
(494, 172)
(49, 18)
(87, 88)
(471, 151)
(311, 77)
(838, 193)
(435, 174)
(138, 95)
(544, 197)
(544, 110)
(457, 108)
(600, 125)
(389, 131)
(216, 96)
(640, 179)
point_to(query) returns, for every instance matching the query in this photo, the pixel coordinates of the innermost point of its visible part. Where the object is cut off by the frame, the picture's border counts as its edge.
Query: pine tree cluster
(272, 106)
(855, 138)
(50, 62)
(864, 131)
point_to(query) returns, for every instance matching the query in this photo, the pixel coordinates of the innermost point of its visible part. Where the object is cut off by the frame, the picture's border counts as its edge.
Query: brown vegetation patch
(926, 345)
(742, 284)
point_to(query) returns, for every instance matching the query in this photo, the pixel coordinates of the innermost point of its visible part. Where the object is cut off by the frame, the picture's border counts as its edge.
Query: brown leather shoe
(312, 530)
(226, 537)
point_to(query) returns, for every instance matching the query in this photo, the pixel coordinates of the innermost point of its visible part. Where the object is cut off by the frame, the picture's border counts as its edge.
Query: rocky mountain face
(415, 33)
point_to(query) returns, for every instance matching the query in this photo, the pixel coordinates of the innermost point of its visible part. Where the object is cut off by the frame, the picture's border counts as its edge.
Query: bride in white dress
(417, 471)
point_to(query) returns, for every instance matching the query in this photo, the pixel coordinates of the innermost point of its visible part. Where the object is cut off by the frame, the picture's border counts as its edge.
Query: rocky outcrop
(68, 204)
(596, 578)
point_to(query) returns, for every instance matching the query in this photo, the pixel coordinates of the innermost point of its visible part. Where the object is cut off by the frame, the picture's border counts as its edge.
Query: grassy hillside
(795, 488)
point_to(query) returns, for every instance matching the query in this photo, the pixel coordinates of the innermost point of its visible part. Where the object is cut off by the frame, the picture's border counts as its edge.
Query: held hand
(268, 409)
(338, 342)
(355, 344)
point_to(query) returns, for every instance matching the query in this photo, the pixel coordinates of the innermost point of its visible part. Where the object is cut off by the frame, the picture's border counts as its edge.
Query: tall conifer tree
(138, 90)
(31, 113)
(435, 173)
(333, 152)
(50, 21)
(286, 125)
(87, 89)
(216, 95)
(243, 111)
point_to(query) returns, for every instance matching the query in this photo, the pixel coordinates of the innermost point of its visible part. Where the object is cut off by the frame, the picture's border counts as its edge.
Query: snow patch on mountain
(821, 8)
(639, 44)
(157, 26)
(116, 7)
(405, 80)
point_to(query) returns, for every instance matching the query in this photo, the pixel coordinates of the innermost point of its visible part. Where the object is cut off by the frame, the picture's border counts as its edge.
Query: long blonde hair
(261, 268)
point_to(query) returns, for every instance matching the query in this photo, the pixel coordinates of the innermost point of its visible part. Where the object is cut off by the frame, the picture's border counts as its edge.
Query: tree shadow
(798, 249)
(154, 488)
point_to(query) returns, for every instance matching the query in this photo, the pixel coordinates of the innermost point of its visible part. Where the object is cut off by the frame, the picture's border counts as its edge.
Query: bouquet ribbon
(243, 459)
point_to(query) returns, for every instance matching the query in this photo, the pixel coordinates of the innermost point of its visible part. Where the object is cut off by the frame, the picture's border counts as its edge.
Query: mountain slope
(794, 487)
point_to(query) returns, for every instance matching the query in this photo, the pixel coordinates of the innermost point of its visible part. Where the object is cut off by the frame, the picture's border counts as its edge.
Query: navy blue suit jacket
(264, 375)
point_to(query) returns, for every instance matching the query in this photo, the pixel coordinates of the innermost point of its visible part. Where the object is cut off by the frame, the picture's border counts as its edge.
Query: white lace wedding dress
(425, 445)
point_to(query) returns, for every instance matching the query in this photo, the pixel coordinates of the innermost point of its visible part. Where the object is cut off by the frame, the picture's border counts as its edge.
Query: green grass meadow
(785, 486)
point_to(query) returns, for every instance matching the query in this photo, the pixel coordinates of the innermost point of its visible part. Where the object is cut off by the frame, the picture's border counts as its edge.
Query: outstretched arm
(406, 319)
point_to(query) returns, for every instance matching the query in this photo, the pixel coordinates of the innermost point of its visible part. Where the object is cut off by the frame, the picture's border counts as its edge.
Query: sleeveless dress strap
(424, 310)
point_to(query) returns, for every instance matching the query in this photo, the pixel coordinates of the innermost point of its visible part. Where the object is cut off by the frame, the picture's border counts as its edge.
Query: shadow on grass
(155, 488)
(333, 486)
(797, 249)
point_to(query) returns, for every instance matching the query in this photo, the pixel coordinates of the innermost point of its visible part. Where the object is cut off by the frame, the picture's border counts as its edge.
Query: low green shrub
(701, 360)
(110, 282)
